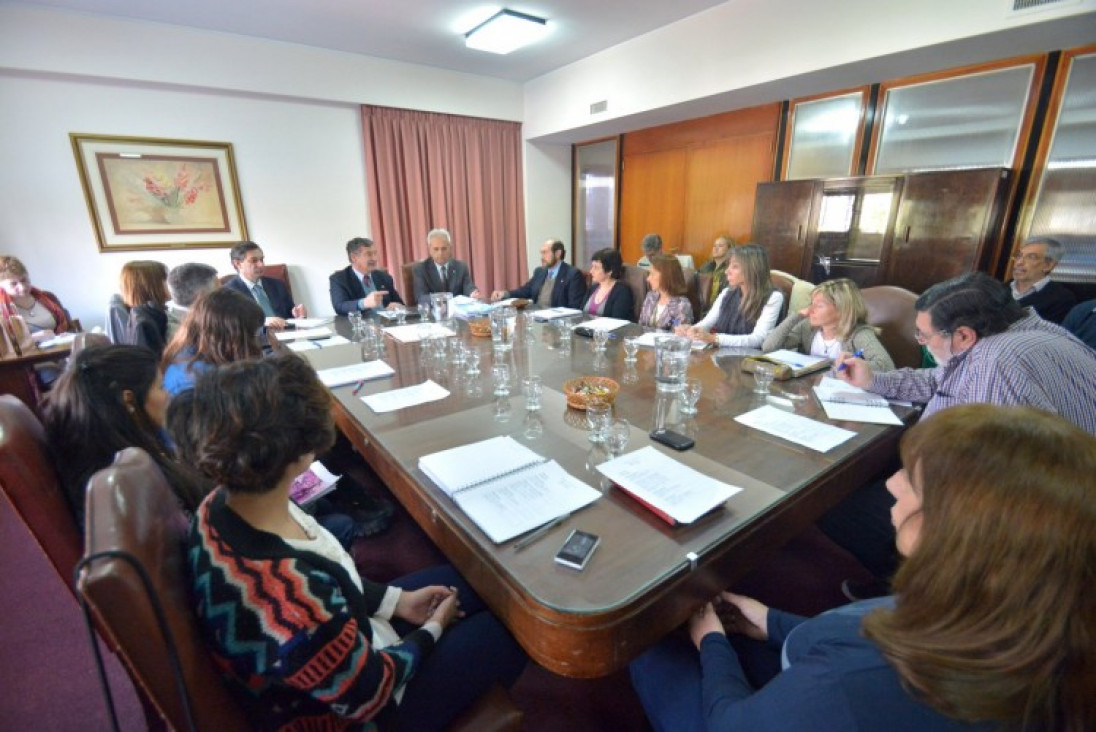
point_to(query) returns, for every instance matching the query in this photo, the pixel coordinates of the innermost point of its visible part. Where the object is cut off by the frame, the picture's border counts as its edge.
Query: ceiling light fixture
(506, 31)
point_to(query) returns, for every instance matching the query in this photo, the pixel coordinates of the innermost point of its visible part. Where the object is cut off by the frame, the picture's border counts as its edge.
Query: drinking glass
(690, 395)
(368, 341)
(472, 362)
(617, 439)
(501, 410)
(532, 387)
(457, 352)
(500, 372)
(631, 349)
(355, 319)
(424, 312)
(601, 339)
(440, 303)
(533, 426)
(764, 373)
(400, 312)
(599, 416)
(671, 362)
(503, 322)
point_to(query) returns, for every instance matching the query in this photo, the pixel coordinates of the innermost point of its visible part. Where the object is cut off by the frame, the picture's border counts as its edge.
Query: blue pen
(858, 354)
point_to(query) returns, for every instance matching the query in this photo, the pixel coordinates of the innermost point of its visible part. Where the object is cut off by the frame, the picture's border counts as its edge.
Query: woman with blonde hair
(139, 316)
(834, 323)
(717, 266)
(41, 310)
(666, 306)
(993, 620)
(747, 310)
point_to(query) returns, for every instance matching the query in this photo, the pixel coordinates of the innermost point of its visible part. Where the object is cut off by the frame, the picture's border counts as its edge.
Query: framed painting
(149, 193)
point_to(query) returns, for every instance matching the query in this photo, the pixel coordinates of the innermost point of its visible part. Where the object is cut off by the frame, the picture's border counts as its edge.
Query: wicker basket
(581, 390)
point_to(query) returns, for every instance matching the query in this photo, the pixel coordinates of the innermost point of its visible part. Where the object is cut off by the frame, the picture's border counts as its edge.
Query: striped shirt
(1034, 363)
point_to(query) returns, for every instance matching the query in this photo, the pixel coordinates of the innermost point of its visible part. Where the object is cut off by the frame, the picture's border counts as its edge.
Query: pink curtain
(427, 171)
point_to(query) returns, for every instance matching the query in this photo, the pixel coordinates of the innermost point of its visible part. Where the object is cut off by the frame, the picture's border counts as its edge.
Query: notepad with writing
(672, 490)
(504, 487)
(792, 363)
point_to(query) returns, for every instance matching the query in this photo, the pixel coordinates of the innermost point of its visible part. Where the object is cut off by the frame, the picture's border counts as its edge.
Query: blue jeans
(474, 653)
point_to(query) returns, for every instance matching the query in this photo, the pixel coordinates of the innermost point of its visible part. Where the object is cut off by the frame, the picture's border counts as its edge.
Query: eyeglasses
(923, 339)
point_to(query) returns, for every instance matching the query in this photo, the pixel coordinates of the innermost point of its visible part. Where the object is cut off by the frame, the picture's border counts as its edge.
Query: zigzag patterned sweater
(290, 630)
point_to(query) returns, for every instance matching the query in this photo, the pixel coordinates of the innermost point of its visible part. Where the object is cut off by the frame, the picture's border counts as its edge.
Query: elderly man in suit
(553, 284)
(271, 294)
(440, 272)
(362, 286)
(1031, 284)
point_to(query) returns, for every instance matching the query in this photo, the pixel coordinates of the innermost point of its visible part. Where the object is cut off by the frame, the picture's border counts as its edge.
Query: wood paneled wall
(694, 180)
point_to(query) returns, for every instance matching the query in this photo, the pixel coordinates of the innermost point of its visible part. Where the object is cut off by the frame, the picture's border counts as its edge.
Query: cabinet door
(947, 224)
(782, 215)
(852, 231)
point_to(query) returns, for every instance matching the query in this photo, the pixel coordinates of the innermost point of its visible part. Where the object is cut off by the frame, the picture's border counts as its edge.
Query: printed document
(354, 372)
(795, 428)
(410, 396)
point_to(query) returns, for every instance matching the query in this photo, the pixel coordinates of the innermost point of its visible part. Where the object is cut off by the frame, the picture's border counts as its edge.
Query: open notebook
(505, 487)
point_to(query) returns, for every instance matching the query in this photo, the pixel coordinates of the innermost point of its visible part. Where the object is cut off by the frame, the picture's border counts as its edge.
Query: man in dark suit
(1031, 284)
(271, 294)
(362, 286)
(554, 284)
(440, 272)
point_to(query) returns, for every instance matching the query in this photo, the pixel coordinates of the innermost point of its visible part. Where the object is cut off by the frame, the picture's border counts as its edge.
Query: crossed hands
(730, 613)
(435, 602)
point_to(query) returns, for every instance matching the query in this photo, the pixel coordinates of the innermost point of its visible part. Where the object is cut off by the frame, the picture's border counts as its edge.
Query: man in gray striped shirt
(989, 349)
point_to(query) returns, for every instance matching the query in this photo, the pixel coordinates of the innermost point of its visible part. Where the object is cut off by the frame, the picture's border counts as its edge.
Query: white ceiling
(428, 32)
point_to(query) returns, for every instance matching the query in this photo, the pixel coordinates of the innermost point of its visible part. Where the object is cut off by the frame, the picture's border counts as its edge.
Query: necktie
(367, 284)
(262, 299)
(445, 274)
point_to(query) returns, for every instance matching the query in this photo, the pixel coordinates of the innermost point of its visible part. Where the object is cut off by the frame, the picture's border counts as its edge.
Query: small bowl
(480, 328)
(520, 303)
(581, 390)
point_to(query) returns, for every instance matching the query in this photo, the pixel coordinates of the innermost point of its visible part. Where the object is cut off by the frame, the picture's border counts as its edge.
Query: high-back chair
(33, 488)
(692, 292)
(407, 282)
(891, 310)
(635, 279)
(134, 584)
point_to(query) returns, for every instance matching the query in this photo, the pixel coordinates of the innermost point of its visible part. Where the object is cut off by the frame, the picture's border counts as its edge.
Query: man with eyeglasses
(1031, 284)
(988, 349)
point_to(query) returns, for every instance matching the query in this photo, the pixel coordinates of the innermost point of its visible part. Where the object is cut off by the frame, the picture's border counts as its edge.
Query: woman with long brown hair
(747, 309)
(221, 327)
(993, 620)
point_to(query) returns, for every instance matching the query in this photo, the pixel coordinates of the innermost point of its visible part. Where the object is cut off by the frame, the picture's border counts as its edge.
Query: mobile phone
(576, 551)
(676, 440)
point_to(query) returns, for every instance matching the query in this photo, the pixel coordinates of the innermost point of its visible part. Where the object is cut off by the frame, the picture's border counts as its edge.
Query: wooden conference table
(641, 582)
(17, 375)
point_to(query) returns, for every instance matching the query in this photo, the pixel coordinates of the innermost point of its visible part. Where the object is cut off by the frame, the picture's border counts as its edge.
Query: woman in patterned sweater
(304, 641)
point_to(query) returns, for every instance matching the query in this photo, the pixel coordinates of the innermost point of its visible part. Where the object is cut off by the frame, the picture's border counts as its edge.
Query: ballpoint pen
(543, 530)
(858, 354)
(358, 387)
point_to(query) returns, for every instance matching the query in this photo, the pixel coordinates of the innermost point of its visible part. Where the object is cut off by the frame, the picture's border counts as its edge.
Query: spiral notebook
(504, 487)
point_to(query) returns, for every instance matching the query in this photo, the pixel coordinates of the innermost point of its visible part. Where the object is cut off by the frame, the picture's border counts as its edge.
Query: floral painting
(149, 193)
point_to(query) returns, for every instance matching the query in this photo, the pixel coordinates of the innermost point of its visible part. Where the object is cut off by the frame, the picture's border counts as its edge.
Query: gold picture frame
(152, 193)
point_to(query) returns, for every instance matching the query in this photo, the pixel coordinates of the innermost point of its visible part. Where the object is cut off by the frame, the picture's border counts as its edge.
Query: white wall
(291, 113)
(547, 198)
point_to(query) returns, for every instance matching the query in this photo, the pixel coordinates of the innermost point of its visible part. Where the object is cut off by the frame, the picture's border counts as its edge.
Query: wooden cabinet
(909, 230)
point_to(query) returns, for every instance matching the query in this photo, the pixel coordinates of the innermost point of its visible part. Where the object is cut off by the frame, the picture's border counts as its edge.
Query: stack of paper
(335, 340)
(355, 372)
(292, 335)
(409, 396)
(412, 333)
(848, 403)
(505, 487)
(605, 324)
(647, 340)
(554, 313)
(305, 323)
(794, 428)
(675, 492)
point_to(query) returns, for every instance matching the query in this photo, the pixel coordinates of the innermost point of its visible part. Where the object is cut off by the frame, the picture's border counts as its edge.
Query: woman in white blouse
(747, 310)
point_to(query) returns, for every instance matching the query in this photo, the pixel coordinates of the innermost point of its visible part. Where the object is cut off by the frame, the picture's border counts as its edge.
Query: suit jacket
(1053, 302)
(427, 281)
(568, 291)
(276, 291)
(619, 304)
(346, 289)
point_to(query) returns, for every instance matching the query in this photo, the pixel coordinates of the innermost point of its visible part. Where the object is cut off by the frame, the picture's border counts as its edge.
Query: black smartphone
(576, 551)
(676, 440)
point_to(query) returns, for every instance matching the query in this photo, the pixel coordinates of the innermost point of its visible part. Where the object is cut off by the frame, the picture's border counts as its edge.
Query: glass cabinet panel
(824, 137)
(595, 186)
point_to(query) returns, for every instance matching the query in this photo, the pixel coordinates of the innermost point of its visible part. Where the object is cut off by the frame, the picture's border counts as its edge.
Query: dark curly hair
(245, 423)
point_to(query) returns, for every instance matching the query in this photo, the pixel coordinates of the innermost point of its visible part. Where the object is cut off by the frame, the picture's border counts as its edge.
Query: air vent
(599, 107)
(1023, 6)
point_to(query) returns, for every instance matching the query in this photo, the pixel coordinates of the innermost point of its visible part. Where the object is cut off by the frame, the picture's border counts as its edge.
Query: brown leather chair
(704, 289)
(132, 511)
(33, 488)
(692, 291)
(635, 279)
(784, 285)
(274, 272)
(407, 282)
(891, 310)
